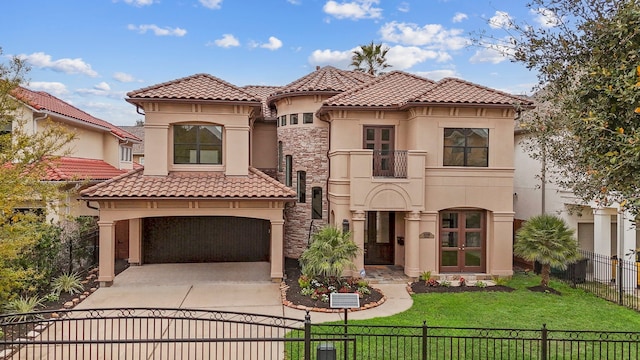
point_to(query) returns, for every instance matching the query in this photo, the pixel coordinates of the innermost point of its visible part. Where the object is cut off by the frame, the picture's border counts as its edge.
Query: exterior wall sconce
(345, 226)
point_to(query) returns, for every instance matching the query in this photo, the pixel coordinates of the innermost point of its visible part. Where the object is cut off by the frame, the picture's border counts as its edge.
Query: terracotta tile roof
(327, 79)
(45, 102)
(138, 148)
(213, 185)
(78, 169)
(391, 89)
(263, 92)
(456, 91)
(194, 87)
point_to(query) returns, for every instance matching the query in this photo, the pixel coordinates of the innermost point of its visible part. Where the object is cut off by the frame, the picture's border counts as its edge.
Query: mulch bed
(420, 287)
(291, 294)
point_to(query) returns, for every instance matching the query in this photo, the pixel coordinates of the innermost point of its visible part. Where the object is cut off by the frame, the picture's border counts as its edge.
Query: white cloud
(459, 17)
(227, 41)
(158, 31)
(211, 4)
(493, 53)
(545, 17)
(340, 59)
(102, 89)
(66, 65)
(501, 20)
(354, 10)
(139, 2)
(404, 7)
(273, 44)
(434, 35)
(103, 86)
(438, 74)
(54, 88)
(404, 57)
(294, 2)
(123, 77)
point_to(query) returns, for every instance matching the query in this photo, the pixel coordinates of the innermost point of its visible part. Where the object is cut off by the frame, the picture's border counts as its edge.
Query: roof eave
(271, 198)
(459, 104)
(275, 97)
(137, 101)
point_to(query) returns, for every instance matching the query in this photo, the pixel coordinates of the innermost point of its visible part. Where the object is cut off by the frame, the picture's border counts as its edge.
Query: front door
(380, 140)
(379, 234)
(462, 241)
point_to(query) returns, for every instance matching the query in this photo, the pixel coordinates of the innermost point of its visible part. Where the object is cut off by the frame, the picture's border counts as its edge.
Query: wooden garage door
(205, 239)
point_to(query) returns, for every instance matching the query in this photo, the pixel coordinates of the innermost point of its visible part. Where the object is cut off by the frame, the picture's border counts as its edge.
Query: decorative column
(106, 265)
(277, 250)
(357, 232)
(428, 243)
(135, 242)
(602, 243)
(412, 244)
(626, 247)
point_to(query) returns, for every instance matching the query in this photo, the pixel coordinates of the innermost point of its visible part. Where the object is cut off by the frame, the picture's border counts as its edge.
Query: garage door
(205, 239)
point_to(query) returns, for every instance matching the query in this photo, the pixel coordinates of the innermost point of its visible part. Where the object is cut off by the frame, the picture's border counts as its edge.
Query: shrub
(445, 283)
(432, 283)
(304, 282)
(425, 276)
(330, 253)
(481, 284)
(21, 307)
(502, 281)
(69, 283)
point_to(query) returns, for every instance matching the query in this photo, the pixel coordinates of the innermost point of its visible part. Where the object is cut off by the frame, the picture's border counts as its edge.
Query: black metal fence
(607, 277)
(139, 333)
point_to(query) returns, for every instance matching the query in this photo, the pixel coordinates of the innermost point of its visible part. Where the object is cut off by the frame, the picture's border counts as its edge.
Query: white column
(135, 242)
(277, 250)
(106, 265)
(626, 245)
(602, 242)
(357, 233)
(412, 244)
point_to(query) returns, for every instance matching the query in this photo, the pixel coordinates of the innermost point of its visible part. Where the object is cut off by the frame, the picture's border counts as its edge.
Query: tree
(588, 67)
(548, 240)
(24, 160)
(330, 253)
(370, 58)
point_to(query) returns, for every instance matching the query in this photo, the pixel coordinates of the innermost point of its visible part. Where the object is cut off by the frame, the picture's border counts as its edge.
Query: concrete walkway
(238, 287)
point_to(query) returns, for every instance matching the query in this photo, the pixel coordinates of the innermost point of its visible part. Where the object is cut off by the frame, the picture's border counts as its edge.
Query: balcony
(390, 164)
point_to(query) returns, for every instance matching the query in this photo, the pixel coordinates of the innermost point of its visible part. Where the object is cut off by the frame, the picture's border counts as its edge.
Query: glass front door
(379, 233)
(462, 241)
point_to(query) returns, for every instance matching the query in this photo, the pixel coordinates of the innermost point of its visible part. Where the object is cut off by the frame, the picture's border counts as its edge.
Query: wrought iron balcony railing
(390, 163)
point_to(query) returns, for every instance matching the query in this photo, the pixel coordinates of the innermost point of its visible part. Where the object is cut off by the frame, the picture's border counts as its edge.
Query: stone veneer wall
(308, 146)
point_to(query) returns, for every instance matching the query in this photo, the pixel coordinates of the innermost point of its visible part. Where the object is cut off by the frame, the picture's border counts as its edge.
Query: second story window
(283, 120)
(125, 154)
(302, 186)
(307, 118)
(293, 119)
(288, 172)
(197, 144)
(316, 203)
(466, 147)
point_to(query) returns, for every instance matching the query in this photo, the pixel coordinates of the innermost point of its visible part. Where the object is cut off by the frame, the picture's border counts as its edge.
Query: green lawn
(573, 310)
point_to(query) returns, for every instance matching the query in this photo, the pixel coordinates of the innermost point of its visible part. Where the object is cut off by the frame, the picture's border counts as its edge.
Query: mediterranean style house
(420, 172)
(99, 152)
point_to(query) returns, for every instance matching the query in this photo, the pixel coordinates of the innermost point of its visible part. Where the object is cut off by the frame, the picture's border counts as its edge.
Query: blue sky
(90, 53)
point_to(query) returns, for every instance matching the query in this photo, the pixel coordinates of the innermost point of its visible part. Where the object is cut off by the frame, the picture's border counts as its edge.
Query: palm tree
(331, 251)
(370, 58)
(548, 240)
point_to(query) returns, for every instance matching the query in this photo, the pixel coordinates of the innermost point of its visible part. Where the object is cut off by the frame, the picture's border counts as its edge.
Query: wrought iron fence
(606, 277)
(388, 163)
(138, 333)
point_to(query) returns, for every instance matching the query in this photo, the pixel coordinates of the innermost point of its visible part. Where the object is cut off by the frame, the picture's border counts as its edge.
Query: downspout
(35, 122)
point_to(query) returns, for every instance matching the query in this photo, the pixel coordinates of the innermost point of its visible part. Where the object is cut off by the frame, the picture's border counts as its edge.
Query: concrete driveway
(238, 287)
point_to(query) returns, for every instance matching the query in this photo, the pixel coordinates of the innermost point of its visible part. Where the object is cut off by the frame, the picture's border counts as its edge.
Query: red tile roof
(42, 101)
(213, 185)
(194, 87)
(324, 80)
(391, 89)
(78, 169)
(456, 91)
(263, 92)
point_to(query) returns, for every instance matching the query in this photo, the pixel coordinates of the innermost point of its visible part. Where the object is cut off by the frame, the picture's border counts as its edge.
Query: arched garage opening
(184, 239)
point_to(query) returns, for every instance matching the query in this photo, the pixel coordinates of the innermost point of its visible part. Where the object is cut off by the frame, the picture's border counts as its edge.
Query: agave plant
(22, 308)
(70, 283)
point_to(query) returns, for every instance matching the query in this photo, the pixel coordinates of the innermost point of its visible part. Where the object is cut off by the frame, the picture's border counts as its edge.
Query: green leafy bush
(69, 283)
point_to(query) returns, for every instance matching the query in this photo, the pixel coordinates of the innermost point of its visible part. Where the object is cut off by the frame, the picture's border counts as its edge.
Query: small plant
(501, 281)
(308, 291)
(481, 284)
(362, 283)
(463, 282)
(304, 282)
(445, 283)
(324, 298)
(51, 297)
(21, 308)
(425, 276)
(364, 290)
(69, 283)
(432, 283)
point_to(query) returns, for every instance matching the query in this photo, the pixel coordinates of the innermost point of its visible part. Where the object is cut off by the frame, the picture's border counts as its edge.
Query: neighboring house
(420, 172)
(138, 148)
(99, 152)
(597, 228)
